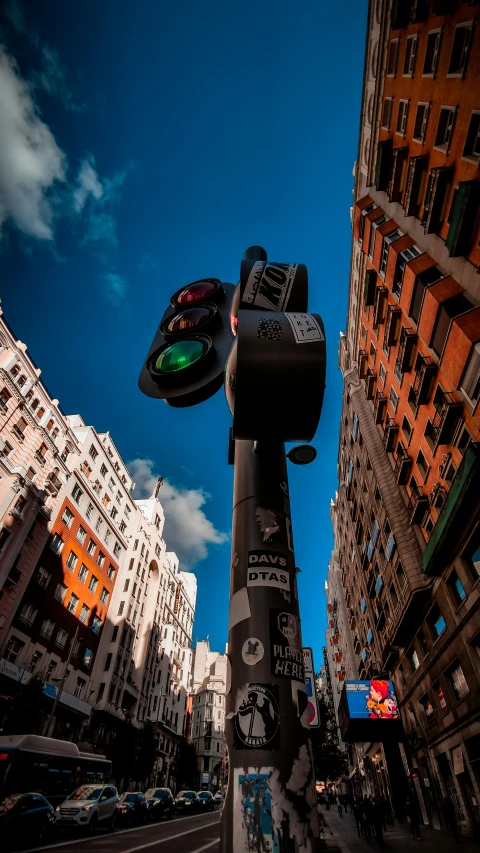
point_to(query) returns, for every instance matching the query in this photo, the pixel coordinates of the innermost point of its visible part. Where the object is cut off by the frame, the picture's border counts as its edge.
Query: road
(193, 834)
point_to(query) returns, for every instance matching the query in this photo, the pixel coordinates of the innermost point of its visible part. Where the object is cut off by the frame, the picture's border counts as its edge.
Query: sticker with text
(305, 328)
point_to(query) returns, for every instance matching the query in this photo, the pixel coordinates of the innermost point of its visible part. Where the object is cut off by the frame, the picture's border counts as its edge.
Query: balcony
(380, 408)
(381, 302)
(370, 381)
(369, 287)
(383, 165)
(362, 364)
(421, 388)
(443, 543)
(463, 218)
(417, 170)
(18, 433)
(448, 412)
(397, 174)
(403, 465)
(417, 504)
(53, 484)
(439, 181)
(392, 326)
(408, 341)
(390, 435)
(379, 617)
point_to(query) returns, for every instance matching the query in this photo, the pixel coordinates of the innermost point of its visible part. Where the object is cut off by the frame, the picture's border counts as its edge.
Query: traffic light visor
(188, 320)
(196, 292)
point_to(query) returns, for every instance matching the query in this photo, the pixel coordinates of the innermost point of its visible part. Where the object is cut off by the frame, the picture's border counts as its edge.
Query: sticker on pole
(252, 651)
(269, 285)
(269, 521)
(286, 654)
(257, 721)
(267, 568)
(305, 328)
(313, 715)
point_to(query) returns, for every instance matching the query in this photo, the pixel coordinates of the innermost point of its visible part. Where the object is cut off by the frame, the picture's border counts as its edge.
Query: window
(72, 603)
(116, 550)
(67, 517)
(93, 583)
(108, 533)
(47, 628)
(93, 452)
(386, 116)
(43, 577)
(111, 484)
(40, 413)
(123, 527)
(61, 638)
(36, 657)
(470, 384)
(101, 559)
(431, 53)
(422, 465)
(91, 547)
(28, 613)
(382, 374)
(114, 512)
(427, 707)
(84, 613)
(57, 543)
(410, 54)
(99, 524)
(4, 398)
(60, 592)
(72, 561)
(445, 128)
(79, 687)
(402, 117)
(392, 58)
(437, 622)
(81, 534)
(50, 670)
(458, 682)
(83, 573)
(87, 657)
(460, 50)
(106, 500)
(77, 493)
(389, 238)
(103, 470)
(420, 126)
(393, 399)
(456, 589)
(121, 608)
(90, 509)
(125, 588)
(471, 149)
(104, 595)
(96, 624)
(135, 545)
(407, 429)
(85, 467)
(13, 649)
(414, 661)
(111, 571)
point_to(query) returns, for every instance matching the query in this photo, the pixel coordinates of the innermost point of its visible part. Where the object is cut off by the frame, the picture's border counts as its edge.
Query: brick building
(407, 514)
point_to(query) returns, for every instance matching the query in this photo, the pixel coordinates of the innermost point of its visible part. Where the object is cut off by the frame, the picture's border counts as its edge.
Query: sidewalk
(341, 835)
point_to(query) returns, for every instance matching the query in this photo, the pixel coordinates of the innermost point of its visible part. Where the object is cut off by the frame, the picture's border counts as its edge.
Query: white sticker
(269, 577)
(252, 651)
(269, 285)
(239, 607)
(228, 677)
(305, 328)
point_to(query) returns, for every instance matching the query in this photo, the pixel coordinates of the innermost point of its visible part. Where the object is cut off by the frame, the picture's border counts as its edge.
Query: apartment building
(207, 730)
(406, 525)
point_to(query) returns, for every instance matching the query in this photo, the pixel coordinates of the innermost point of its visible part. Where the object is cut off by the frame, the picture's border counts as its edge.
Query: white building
(207, 730)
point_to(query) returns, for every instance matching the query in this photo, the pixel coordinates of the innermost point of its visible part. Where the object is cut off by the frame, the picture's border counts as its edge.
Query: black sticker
(257, 722)
(286, 653)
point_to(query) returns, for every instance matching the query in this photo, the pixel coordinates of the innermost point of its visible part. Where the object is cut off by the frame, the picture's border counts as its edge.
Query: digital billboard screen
(369, 711)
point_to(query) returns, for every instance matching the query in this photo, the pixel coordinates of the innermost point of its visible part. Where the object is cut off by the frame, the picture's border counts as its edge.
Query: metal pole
(51, 724)
(271, 798)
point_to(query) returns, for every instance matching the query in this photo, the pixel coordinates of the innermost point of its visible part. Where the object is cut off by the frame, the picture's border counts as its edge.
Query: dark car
(187, 801)
(160, 803)
(132, 808)
(207, 803)
(25, 817)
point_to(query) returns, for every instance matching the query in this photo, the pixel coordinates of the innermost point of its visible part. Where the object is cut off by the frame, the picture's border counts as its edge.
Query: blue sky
(147, 145)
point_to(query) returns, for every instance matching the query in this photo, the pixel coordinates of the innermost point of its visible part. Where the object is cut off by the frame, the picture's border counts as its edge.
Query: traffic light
(185, 362)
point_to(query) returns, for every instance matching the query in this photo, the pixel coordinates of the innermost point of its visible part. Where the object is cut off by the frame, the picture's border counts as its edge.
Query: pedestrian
(339, 806)
(377, 819)
(367, 818)
(450, 817)
(411, 810)
(357, 813)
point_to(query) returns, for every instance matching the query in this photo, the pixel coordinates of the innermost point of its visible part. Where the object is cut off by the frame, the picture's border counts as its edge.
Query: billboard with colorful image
(368, 710)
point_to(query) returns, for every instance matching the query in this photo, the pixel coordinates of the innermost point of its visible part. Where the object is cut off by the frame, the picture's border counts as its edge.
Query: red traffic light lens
(196, 292)
(188, 320)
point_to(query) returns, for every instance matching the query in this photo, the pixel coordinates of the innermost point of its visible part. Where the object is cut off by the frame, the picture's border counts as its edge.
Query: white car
(88, 807)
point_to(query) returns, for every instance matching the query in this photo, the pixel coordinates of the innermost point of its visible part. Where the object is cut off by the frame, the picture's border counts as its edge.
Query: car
(207, 803)
(218, 798)
(88, 807)
(160, 803)
(187, 801)
(25, 817)
(132, 808)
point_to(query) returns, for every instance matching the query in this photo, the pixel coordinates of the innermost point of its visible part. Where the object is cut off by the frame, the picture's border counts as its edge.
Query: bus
(47, 766)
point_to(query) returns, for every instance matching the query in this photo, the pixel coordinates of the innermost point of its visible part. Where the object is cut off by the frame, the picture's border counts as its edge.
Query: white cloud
(188, 531)
(115, 287)
(30, 160)
(88, 183)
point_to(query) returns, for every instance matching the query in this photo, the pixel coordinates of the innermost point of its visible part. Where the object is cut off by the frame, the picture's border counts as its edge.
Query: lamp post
(51, 717)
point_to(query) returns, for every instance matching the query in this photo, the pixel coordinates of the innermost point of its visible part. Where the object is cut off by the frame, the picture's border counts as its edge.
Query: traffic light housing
(185, 362)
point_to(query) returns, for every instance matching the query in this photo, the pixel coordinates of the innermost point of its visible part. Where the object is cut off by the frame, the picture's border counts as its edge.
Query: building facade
(406, 526)
(207, 729)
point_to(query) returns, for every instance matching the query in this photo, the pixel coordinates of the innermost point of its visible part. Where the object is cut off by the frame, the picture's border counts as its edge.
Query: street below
(341, 835)
(179, 835)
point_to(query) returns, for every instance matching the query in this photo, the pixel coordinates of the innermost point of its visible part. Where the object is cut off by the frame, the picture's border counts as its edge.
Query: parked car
(132, 808)
(160, 803)
(218, 798)
(25, 817)
(187, 801)
(207, 803)
(88, 807)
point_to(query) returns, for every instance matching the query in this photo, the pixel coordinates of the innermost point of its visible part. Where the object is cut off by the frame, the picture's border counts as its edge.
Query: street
(180, 835)
(341, 835)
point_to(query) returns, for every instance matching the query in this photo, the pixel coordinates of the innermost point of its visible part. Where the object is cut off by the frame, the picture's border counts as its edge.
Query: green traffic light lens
(179, 356)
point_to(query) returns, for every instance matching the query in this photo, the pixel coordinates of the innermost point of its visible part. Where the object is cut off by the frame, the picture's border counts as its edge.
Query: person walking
(450, 817)
(339, 806)
(358, 815)
(377, 820)
(411, 812)
(367, 818)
